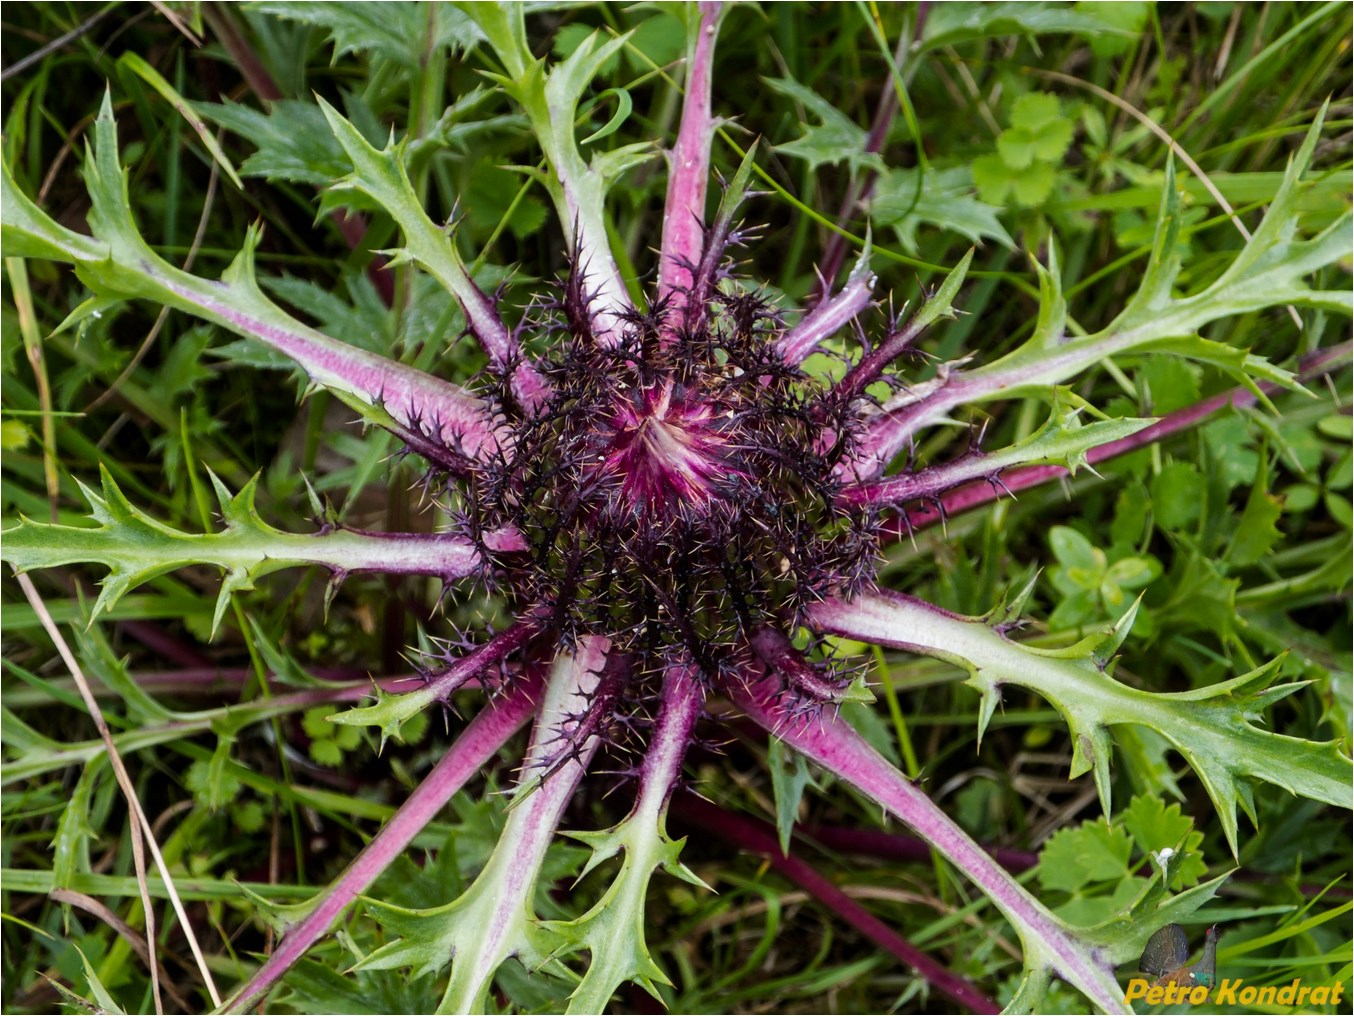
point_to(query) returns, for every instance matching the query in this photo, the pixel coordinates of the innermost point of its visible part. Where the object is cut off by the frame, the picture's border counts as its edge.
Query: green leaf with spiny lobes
(137, 548)
(1270, 269)
(1214, 728)
(944, 200)
(403, 32)
(836, 138)
(292, 139)
(396, 716)
(612, 931)
(1064, 440)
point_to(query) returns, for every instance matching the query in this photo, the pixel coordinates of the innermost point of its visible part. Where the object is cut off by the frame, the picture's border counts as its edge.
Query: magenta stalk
(829, 317)
(833, 744)
(477, 744)
(975, 495)
(684, 211)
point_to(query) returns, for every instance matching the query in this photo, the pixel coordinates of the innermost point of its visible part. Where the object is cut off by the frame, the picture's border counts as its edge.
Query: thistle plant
(667, 509)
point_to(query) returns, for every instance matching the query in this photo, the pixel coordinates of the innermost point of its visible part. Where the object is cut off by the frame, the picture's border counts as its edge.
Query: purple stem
(923, 484)
(683, 699)
(499, 343)
(975, 495)
(426, 405)
(872, 364)
(759, 838)
(443, 682)
(477, 744)
(684, 212)
(779, 653)
(827, 318)
(833, 744)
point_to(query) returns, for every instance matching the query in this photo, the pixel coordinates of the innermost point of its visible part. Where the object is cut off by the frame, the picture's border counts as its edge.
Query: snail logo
(1172, 980)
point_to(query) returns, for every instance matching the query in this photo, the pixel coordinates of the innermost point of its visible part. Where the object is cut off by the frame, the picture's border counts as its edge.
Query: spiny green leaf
(834, 139)
(940, 304)
(1064, 440)
(120, 265)
(1214, 728)
(944, 199)
(137, 548)
(390, 713)
(402, 32)
(789, 776)
(612, 931)
(1270, 270)
(1256, 533)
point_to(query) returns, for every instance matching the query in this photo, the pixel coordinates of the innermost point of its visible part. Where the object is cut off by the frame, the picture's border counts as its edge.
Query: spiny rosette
(675, 489)
(670, 502)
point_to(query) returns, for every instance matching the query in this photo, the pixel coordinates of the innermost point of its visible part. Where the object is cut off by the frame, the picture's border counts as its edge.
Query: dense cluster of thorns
(676, 490)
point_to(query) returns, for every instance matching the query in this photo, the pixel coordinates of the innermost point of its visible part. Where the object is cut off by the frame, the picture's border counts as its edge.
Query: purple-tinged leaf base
(494, 919)
(137, 548)
(830, 742)
(1214, 728)
(689, 170)
(613, 930)
(830, 316)
(485, 735)
(117, 264)
(391, 712)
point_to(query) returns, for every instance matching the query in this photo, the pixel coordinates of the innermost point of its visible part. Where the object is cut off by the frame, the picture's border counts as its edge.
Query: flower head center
(675, 493)
(664, 447)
